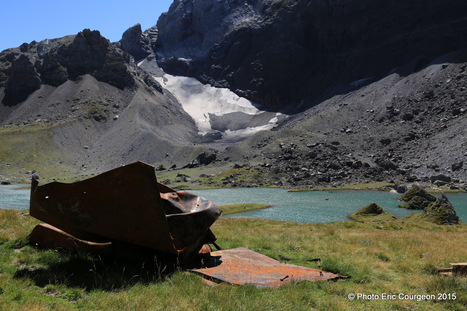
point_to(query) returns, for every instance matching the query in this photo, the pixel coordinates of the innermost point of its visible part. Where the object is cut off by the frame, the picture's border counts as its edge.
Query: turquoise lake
(302, 207)
(315, 206)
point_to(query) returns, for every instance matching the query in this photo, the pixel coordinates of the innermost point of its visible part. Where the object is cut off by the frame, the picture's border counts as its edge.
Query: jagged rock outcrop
(135, 43)
(281, 52)
(53, 62)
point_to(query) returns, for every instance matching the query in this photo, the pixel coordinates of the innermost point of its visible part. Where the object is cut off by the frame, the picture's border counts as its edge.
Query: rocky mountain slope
(88, 107)
(347, 91)
(402, 128)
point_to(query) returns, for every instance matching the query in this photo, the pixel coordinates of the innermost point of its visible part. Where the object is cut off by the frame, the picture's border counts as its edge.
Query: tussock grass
(378, 258)
(372, 212)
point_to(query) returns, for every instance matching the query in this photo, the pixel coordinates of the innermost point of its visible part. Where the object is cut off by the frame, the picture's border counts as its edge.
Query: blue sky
(27, 20)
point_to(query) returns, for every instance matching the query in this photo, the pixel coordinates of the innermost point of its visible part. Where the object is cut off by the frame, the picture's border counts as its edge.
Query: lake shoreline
(298, 206)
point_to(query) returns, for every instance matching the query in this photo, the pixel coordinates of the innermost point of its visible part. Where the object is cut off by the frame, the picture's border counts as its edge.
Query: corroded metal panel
(242, 266)
(126, 205)
(47, 236)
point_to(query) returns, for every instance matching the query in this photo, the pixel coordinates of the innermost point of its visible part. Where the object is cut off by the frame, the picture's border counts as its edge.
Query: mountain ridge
(279, 53)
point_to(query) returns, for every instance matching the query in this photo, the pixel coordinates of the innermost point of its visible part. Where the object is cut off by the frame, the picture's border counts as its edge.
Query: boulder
(417, 191)
(385, 141)
(441, 212)
(457, 166)
(440, 183)
(415, 203)
(371, 208)
(206, 158)
(386, 164)
(440, 177)
(401, 189)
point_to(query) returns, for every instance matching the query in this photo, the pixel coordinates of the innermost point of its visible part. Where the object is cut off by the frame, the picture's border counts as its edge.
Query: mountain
(279, 53)
(79, 104)
(293, 93)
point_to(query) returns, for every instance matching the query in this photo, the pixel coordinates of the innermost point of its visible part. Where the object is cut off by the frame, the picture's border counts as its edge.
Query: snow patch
(199, 100)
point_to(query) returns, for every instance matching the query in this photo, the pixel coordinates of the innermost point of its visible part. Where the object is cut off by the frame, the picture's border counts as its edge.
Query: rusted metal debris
(125, 212)
(457, 269)
(241, 266)
(125, 205)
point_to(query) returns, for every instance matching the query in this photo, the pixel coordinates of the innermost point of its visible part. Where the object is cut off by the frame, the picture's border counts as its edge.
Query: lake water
(12, 198)
(315, 206)
(302, 207)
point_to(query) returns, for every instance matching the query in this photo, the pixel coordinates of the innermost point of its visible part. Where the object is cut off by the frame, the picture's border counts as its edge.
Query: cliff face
(281, 52)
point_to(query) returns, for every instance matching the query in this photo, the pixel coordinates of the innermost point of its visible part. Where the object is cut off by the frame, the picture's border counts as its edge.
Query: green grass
(28, 148)
(240, 208)
(393, 257)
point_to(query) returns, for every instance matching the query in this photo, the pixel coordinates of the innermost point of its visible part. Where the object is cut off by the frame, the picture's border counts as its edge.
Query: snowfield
(202, 101)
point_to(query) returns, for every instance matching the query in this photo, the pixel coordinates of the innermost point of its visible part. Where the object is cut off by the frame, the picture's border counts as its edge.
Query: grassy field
(30, 148)
(393, 257)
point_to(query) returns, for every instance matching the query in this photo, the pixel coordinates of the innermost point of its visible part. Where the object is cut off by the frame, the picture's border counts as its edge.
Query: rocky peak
(53, 62)
(135, 43)
(152, 34)
(190, 29)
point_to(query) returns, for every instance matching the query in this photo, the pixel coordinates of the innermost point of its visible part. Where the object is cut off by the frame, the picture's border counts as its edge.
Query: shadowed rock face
(23, 80)
(135, 43)
(280, 52)
(53, 62)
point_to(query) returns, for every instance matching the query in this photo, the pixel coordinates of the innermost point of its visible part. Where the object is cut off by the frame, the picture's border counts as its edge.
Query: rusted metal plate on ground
(126, 205)
(457, 269)
(242, 266)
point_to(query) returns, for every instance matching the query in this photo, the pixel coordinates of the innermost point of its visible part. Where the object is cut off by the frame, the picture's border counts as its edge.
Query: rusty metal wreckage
(126, 212)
